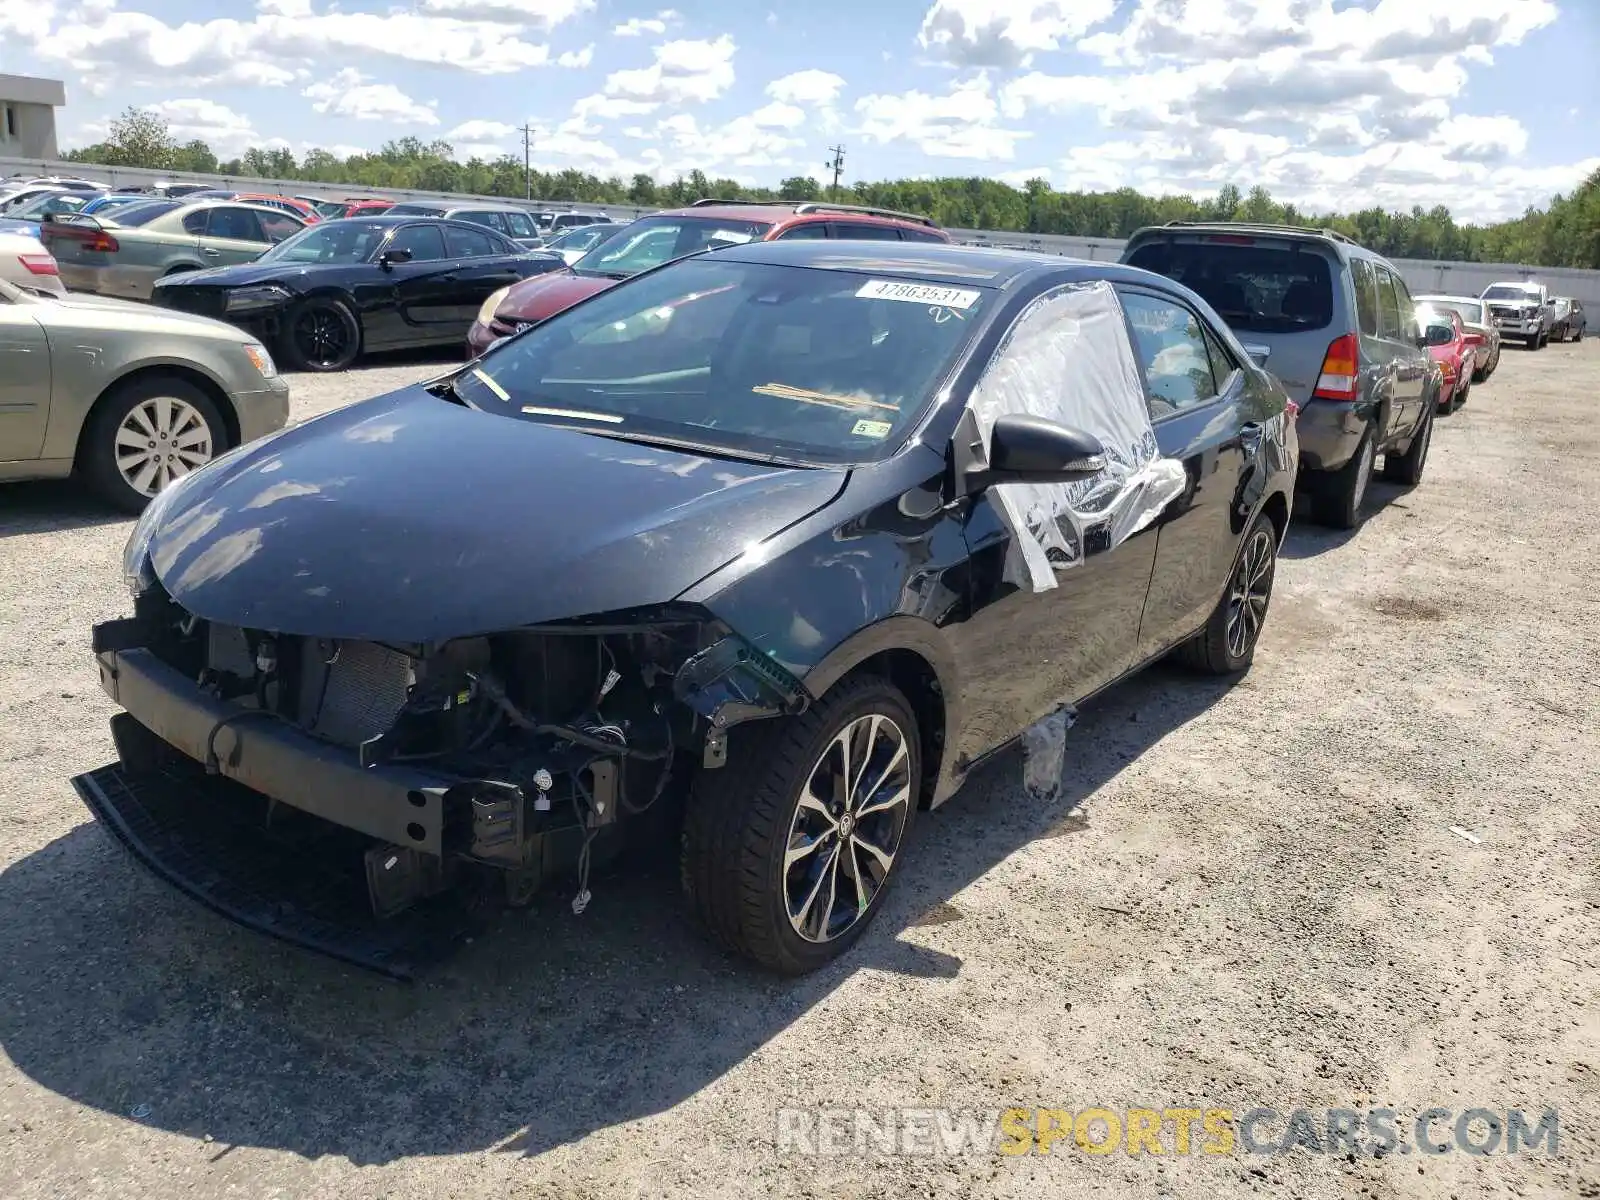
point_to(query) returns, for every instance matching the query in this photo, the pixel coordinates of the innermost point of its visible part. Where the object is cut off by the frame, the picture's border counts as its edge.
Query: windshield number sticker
(918, 293)
(872, 429)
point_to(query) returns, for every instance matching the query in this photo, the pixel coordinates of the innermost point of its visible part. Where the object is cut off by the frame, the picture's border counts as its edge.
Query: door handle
(1250, 435)
(210, 251)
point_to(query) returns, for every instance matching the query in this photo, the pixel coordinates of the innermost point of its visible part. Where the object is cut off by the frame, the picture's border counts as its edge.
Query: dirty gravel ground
(1247, 896)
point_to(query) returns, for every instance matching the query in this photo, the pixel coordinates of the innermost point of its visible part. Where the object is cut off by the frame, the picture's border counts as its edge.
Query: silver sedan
(130, 396)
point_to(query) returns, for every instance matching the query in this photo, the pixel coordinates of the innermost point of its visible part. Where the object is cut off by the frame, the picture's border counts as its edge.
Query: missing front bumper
(212, 839)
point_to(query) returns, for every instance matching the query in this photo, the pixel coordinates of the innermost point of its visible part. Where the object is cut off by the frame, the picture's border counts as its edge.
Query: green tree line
(1565, 233)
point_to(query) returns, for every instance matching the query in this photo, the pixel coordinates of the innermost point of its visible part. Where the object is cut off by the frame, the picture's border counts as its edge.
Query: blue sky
(1481, 105)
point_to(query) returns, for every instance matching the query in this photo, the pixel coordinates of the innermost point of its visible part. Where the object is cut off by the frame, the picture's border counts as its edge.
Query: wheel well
(919, 683)
(199, 379)
(1277, 511)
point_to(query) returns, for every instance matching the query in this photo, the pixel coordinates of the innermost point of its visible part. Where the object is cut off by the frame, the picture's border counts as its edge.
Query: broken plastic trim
(730, 682)
(1044, 749)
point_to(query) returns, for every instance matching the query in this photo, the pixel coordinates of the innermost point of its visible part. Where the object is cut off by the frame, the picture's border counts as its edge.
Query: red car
(664, 236)
(355, 206)
(1454, 348)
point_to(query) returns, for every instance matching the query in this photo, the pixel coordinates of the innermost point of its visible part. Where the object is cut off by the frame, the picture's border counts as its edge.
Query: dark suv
(661, 237)
(1335, 323)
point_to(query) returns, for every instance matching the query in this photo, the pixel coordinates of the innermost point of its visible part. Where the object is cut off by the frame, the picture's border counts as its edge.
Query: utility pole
(527, 158)
(836, 165)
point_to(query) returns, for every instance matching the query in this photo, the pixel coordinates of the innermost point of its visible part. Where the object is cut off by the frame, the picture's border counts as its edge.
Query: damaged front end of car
(405, 781)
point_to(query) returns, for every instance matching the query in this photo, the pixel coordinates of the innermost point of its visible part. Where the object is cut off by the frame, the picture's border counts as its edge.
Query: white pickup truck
(1521, 309)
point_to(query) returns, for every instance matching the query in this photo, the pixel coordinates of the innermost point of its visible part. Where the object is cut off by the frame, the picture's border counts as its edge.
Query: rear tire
(1337, 496)
(1406, 469)
(1227, 644)
(144, 434)
(780, 792)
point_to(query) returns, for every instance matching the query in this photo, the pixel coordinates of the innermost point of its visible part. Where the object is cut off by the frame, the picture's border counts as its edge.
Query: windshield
(582, 239)
(41, 205)
(350, 241)
(1467, 310)
(791, 362)
(654, 240)
(1504, 291)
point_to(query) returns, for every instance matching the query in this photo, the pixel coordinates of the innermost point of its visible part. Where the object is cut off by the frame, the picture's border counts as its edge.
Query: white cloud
(538, 14)
(1324, 105)
(639, 26)
(962, 123)
(684, 72)
(111, 49)
(227, 132)
(577, 58)
(1006, 33)
(351, 94)
(778, 116)
(807, 87)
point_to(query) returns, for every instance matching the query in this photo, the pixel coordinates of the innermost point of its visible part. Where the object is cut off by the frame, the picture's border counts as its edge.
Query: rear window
(1255, 289)
(143, 212)
(1472, 314)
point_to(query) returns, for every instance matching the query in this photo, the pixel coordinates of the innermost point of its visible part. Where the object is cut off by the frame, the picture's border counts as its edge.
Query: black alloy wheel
(321, 334)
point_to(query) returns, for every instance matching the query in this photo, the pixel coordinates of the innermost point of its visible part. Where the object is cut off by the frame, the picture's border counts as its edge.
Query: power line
(527, 158)
(837, 166)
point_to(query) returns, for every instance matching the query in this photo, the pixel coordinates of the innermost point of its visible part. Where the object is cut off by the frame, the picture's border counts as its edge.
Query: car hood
(84, 310)
(544, 296)
(245, 274)
(412, 519)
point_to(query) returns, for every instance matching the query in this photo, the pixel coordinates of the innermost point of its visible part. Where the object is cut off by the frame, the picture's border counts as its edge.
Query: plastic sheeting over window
(1068, 359)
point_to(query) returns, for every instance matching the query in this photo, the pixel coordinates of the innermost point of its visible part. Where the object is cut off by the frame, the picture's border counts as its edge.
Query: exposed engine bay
(538, 750)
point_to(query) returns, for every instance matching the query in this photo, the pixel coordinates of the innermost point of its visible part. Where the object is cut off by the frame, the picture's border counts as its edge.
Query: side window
(1223, 363)
(1408, 310)
(811, 230)
(469, 243)
(236, 224)
(518, 225)
(1391, 323)
(1171, 347)
(489, 220)
(278, 226)
(919, 235)
(195, 223)
(1366, 280)
(864, 232)
(423, 241)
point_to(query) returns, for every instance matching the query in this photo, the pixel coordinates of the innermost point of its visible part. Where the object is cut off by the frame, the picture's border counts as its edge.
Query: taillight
(93, 239)
(1473, 339)
(39, 264)
(1341, 366)
(1291, 408)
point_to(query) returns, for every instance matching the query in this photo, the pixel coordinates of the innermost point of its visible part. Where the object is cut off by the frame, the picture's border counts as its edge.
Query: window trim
(1223, 391)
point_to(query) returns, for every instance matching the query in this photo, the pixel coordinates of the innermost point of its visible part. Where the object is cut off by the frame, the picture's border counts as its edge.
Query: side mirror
(390, 257)
(1421, 340)
(1025, 449)
(1258, 353)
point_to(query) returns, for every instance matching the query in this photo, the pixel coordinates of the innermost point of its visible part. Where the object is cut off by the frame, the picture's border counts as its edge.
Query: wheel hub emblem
(847, 824)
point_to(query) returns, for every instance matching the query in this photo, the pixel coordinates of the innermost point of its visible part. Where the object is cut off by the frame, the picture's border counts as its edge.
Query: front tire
(789, 848)
(145, 434)
(1337, 496)
(321, 334)
(1227, 644)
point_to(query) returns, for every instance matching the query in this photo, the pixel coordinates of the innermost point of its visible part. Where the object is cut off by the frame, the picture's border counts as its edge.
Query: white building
(28, 116)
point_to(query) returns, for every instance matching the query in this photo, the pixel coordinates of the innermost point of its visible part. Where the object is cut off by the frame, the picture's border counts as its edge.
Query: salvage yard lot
(1247, 896)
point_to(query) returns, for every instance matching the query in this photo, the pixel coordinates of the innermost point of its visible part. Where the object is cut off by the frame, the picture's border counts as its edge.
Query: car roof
(457, 206)
(1421, 299)
(778, 212)
(940, 261)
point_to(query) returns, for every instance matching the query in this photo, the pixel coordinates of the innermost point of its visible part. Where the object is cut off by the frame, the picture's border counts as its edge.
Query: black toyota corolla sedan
(760, 551)
(338, 289)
